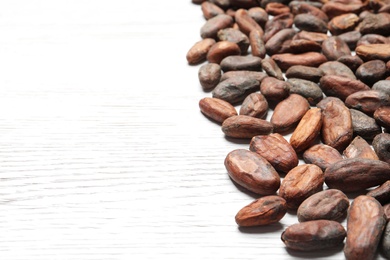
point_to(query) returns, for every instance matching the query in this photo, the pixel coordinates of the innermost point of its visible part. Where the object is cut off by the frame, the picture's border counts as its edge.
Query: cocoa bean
(257, 44)
(307, 89)
(216, 109)
(322, 155)
(274, 89)
(235, 90)
(243, 126)
(221, 50)
(198, 52)
(371, 71)
(359, 148)
(237, 62)
(335, 68)
(381, 144)
(236, 36)
(213, 25)
(254, 105)
(382, 116)
(374, 52)
(286, 60)
(304, 72)
(363, 125)
(271, 68)
(209, 76)
(381, 193)
(334, 47)
(367, 101)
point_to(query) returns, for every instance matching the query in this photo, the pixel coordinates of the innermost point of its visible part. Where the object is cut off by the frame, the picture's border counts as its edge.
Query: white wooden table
(104, 153)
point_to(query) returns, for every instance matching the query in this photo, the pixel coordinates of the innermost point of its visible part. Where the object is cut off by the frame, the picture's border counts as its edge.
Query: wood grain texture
(104, 153)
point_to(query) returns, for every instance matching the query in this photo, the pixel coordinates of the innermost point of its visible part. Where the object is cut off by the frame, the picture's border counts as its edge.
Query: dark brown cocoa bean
(365, 224)
(221, 50)
(235, 90)
(213, 25)
(311, 36)
(367, 101)
(356, 174)
(210, 10)
(257, 44)
(371, 71)
(381, 193)
(276, 150)
(216, 109)
(381, 144)
(333, 9)
(277, 23)
(322, 155)
(337, 128)
(314, 235)
(372, 39)
(350, 38)
(300, 183)
(376, 23)
(385, 241)
(244, 3)
(271, 68)
(209, 76)
(198, 52)
(363, 125)
(383, 86)
(254, 105)
(334, 47)
(307, 89)
(289, 112)
(245, 22)
(382, 116)
(252, 172)
(259, 15)
(352, 62)
(374, 52)
(307, 130)
(311, 23)
(286, 60)
(335, 68)
(274, 89)
(198, 2)
(301, 46)
(275, 44)
(343, 23)
(242, 126)
(275, 8)
(263, 211)
(236, 36)
(359, 148)
(224, 4)
(329, 204)
(300, 7)
(237, 62)
(305, 72)
(259, 76)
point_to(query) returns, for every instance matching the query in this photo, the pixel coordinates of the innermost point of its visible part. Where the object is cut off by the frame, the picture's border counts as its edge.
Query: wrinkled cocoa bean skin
(254, 105)
(371, 71)
(381, 144)
(245, 22)
(343, 23)
(381, 193)
(213, 25)
(252, 172)
(305, 72)
(236, 36)
(374, 52)
(311, 23)
(334, 47)
(236, 89)
(221, 50)
(286, 60)
(382, 116)
(335, 68)
(309, 90)
(363, 125)
(243, 126)
(322, 155)
(209, 76)
(367, 101)
(263, 211)
(256, 75)
(365, 224)
(198, 52)
(237, 62)
(274, 89)
(352, 62)
(329, 204)
(382, 86)
(271, 68)
(359, 148)
(341, 87)
(216, 109)
(350, 38)
(257, 44)
(314, 235)
(276, 24)
(356, 174)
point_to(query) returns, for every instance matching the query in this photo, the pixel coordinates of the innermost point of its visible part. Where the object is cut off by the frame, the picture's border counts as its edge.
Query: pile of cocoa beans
(323, 68)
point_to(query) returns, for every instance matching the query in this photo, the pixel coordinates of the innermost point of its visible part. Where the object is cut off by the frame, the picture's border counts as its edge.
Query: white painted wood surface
(103, 151)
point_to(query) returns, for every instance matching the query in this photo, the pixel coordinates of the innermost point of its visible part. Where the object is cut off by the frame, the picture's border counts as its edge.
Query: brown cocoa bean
(213, 25)
(274, 89)
(302, 46)
(300, 183)
(286, 60)
(210, 10)
(300, 7)
(311, 36)
(244, 3)
(359, 148)
(385, 241)
(335, 68)
(198, 52)
(365, 224)
(245, 22)
(277, 23)
(271, 68)
(372, 39)
(209, 76)
(381, 193)
(367, 101)
(374, 52)
(224, 4)
(263, 211)
(216, 109)
(383, 86)
(341, 87)
(275, 44)
(304, 72)
(276, 150)
(371, 71)
(221, 50)
(259, 15)
(311, 23)
(259, 76)
(307, 130)
(352, 62)
(322, 155)
(237, 62)
(386, 209)
(254, 105)
(329, 204)
(257, 44)
(251, 171)
(382, 116)
(243, 126)
(334, 47)
(363, 125)
(236, 36)
(350, 38)
(275, 9)
(333, 9)
(381, 144)
(356, 174)
(289, 112)
(376, 23)
(235, 90)
(314, 235)
(343, 23)
(307, 89)
(337, 128)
